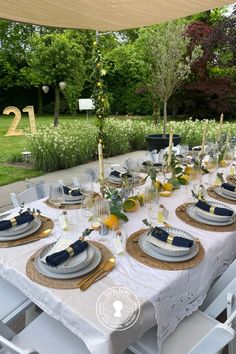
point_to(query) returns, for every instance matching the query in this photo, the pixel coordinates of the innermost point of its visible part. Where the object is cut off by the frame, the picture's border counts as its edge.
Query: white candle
(170, 146)
(220, 126)
(100, 159)
(204, 137)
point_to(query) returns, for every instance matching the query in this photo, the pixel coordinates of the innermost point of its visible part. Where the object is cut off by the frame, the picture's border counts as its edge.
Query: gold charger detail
(42, 232)
(133, 249)
(182, 215)
(37, 277)
(212, 193)
(231, 179)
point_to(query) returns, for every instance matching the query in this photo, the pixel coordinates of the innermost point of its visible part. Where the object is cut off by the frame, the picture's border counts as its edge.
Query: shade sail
(102, 15)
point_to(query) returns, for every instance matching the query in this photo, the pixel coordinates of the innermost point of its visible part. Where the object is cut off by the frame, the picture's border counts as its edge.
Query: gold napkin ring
(13, 221)
(70, 251)
(170, 239)
(212, 209)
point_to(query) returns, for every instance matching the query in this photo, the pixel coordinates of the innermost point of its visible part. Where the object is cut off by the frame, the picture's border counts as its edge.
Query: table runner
(173, 295)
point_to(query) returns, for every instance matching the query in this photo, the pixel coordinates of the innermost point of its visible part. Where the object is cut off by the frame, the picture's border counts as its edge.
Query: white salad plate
(168, 249)
(41, 268)
(149, 249)
(73, 264)
(191, 211)
(34, 226)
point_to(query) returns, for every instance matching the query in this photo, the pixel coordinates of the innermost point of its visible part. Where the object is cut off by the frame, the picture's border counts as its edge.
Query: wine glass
(228, 156)
(195, 180)
(86, 188)
(56, 195)
(151, 202)
(211, 166)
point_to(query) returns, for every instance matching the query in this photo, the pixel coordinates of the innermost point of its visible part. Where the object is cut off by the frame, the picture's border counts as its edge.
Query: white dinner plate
(34, 226)
(40, 266)
(73, 264)
(73, 198)
(213, 217)
(221, 193)
(146, 247)
(229, 193)
(168, 249)
(191, 211)
(15, 230)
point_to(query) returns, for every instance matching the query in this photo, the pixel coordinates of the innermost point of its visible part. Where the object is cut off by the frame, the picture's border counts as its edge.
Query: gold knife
(105, 267)
(108, 266)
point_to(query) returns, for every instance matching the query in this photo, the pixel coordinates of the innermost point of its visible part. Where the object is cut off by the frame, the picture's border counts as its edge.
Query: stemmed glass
(212, 166)
(86, 188)
(56, 195)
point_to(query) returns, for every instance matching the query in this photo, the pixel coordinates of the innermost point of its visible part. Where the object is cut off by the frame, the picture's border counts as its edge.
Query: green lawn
(12, 146)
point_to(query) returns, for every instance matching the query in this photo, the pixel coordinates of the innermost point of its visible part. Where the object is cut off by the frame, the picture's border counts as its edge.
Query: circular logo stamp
(118, 308)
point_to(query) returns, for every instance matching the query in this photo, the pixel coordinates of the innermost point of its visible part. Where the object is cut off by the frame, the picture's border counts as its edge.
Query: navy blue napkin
(163, 235)
(59, 257)
(120, 174)
(73, 192)
(19, 220)
(217, 211)
(228, 187)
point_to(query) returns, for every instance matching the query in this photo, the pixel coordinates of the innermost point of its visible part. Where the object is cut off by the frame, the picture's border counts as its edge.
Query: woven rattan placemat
(37, 277)
(133, 249)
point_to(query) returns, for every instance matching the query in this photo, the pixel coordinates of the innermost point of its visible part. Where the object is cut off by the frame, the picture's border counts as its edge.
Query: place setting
(66, 197)
(226, 192)
(208, 215)
(117, 178)
(165, 248)
(24, 227)
(70, 263)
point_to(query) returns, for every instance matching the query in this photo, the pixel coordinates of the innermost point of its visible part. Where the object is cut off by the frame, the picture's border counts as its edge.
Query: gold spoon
(105, 267)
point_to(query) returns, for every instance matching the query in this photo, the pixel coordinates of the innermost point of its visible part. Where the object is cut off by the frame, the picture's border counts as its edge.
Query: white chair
(196, 334)
(12, 302)
(30, 195)
(45, 335)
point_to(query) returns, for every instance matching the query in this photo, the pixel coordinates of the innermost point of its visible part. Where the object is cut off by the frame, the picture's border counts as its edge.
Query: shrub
(75, 143)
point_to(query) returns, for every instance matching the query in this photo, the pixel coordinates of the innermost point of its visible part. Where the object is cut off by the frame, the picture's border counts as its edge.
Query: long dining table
(165, 296)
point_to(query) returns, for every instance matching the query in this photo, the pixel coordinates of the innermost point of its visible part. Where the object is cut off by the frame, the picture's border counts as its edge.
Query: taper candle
(204, 137)
(170, 146)
(220, 126)
(100, 159)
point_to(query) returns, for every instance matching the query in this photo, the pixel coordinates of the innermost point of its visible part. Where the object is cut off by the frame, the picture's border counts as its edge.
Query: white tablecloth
(165, 296)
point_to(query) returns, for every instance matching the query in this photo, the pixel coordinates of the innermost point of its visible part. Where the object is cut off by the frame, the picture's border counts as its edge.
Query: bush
(66, 146)
(75, 143)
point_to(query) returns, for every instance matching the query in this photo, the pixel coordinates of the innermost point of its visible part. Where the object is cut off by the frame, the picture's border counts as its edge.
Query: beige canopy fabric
(103, 15)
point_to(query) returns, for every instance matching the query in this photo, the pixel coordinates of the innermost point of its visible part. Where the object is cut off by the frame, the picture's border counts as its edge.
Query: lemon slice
(165, 193)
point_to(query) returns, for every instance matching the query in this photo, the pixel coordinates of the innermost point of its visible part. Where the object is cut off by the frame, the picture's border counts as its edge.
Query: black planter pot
(157, 142)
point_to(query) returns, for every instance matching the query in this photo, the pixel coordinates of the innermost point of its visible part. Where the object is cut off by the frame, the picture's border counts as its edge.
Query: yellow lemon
(111, 221)
(223, 163)
(184, 179)
(167, 186)
(165, 193)
(188, 170)
(130, 205)
(158, 185)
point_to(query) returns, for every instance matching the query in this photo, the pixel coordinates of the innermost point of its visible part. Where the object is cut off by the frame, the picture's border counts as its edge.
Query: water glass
(56, 195)
(151, 203)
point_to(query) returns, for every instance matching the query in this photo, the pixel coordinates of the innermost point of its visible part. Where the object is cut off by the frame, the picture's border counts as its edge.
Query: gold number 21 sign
(16, 120)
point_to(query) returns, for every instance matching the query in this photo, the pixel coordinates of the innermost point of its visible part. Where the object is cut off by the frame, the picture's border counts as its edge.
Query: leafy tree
(165, 61)
(54, 58)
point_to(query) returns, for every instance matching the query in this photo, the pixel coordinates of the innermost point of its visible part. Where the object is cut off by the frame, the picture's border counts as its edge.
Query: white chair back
(30, 195)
